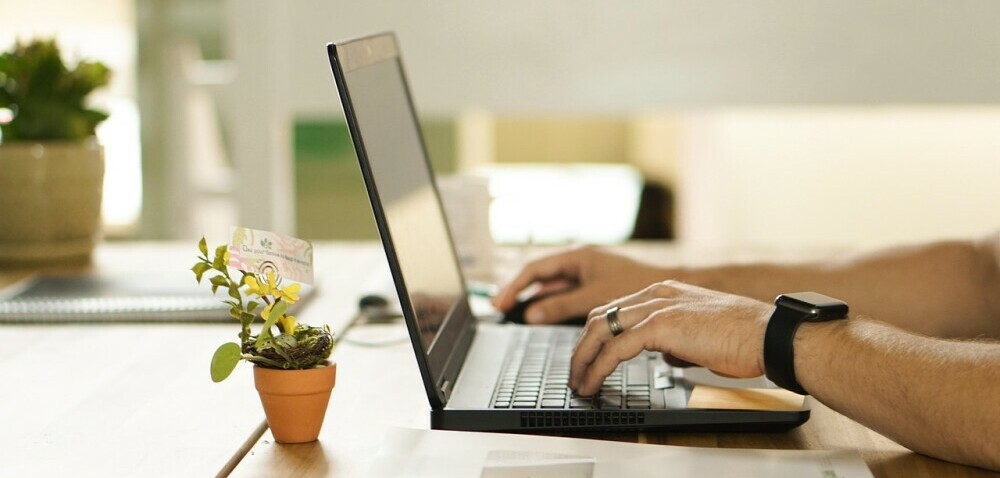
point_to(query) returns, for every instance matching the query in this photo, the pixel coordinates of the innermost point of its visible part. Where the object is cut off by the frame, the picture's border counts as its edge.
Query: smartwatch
(791, 311)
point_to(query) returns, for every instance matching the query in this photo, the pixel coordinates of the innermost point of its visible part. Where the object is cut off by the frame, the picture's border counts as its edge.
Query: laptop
(482, 375)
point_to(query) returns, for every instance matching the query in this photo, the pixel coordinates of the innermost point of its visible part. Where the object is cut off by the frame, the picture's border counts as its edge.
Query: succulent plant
(46, 100)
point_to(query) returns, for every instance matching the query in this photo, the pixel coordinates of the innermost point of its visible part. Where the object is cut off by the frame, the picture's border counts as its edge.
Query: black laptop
(482, 375)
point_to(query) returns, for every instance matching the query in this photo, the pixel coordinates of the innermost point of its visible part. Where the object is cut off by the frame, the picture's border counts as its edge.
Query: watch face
(824, 307)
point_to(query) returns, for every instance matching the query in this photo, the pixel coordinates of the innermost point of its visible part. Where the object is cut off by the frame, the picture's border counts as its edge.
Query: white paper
(519, 464)
(436, 453)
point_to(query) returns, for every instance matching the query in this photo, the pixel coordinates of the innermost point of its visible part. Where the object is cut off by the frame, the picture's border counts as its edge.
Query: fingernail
(534, 315)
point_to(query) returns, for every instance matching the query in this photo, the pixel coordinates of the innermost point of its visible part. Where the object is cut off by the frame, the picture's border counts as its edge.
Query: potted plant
(53, 167)
(292, 372)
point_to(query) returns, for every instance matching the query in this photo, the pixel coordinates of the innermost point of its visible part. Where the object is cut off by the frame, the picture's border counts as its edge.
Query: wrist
(816, 343)
(791, 312)
(760, 330)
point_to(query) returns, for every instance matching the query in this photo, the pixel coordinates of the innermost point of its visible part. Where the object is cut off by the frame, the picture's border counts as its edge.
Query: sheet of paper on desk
(437, 453)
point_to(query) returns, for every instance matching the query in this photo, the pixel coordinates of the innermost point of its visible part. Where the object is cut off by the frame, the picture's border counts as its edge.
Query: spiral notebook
(119, 298)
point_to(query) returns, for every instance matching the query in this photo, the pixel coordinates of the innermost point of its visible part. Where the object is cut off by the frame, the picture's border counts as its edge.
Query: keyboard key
(501, 405)
(581, 403)
(524, 404)
(609, 402)
(557, 403)
(637, 403)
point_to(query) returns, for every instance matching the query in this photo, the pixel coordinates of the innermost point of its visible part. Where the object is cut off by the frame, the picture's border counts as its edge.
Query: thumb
(561, 306)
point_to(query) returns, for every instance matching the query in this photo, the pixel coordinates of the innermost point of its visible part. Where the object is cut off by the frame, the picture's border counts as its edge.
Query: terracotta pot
(295, 400)
(50, 194)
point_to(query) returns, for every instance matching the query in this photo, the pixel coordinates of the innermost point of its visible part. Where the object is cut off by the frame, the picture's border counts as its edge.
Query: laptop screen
(413, 215)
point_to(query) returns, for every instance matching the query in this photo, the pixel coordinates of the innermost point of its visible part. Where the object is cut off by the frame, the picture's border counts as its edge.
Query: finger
(615, 351)
(562, 265)
(597, 333)
(558, 307)
(658, 290)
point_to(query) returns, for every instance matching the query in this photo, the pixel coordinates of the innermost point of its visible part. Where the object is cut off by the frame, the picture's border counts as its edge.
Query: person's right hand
(576, 281)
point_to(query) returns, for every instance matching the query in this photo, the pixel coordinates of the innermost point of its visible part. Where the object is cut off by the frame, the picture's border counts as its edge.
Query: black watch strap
(779, 354)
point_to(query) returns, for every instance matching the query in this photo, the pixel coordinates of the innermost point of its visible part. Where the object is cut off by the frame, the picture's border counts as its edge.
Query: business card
(254, 250)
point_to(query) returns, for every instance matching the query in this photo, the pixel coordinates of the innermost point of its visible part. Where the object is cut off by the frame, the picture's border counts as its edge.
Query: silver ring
(613, 323)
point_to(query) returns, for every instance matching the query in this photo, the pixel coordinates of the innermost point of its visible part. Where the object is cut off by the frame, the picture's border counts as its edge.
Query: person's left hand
(719, 331)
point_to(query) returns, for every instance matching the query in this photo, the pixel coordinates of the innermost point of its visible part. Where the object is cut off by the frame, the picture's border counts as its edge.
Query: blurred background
(778, 124)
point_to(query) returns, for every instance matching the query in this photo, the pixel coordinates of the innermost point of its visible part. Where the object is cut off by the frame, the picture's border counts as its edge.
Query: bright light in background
(122, 170)
(561, 203)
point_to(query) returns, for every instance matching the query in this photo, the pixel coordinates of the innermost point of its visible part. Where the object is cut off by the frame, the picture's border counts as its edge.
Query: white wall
(600, 56)
(843, 177)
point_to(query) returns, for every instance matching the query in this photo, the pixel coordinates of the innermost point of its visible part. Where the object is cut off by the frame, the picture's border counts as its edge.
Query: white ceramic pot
(50, 198)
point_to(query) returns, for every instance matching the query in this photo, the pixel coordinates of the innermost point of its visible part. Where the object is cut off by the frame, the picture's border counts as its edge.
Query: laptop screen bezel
(441, 362)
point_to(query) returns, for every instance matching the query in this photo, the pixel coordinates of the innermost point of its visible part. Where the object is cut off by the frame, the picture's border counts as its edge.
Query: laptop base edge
(540, 420)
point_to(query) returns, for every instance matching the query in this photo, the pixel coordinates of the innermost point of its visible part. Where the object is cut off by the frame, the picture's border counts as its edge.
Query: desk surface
(136, 400)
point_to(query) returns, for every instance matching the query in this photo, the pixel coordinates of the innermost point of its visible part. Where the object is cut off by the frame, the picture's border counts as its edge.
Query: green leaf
(220, 281)
(220, 258)
(224, 361)
(252, 306)
(264, 341)
(234, 292)
(246, 318)
(199, 270)
(276, 312)
(235, 312)
(203, 246)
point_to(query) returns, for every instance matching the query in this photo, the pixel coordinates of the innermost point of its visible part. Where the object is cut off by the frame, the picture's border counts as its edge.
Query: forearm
(933, 396)
(912, 287)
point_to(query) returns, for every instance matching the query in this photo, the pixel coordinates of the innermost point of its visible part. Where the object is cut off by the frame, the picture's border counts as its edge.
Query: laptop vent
(581, 419)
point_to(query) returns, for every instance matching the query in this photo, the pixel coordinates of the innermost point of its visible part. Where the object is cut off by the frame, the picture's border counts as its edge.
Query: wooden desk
(136, 400)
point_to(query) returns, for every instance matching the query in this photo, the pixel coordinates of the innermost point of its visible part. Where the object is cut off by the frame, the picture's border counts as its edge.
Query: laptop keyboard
(536, 375)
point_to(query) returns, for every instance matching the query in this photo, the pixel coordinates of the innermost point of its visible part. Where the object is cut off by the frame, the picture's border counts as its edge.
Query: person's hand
(719, 331)
(576, 281)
